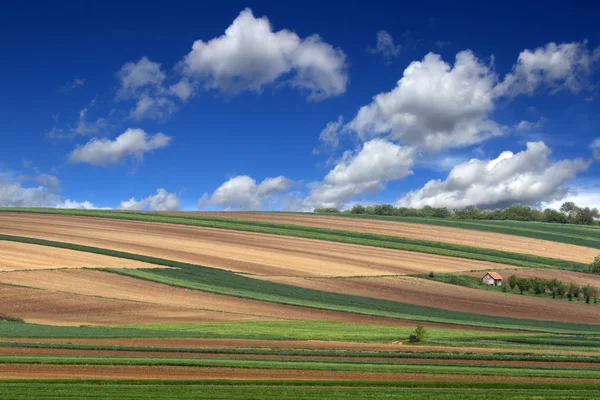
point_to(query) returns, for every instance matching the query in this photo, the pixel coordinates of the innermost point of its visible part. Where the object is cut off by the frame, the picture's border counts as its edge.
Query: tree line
(555, 287)
(569, 213)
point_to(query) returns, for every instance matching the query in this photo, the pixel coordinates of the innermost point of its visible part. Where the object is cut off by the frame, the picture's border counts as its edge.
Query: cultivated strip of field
(460, 236)
(59, 308)
(225, 282)
(436, 294)
(22, 256)
(252, 253)
(332, 235)
(197, 306)
(579, 235)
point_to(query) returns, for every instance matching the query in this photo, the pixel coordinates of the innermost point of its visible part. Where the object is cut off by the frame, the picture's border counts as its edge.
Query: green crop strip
(225, 282)
(334, 235)
(299, 390)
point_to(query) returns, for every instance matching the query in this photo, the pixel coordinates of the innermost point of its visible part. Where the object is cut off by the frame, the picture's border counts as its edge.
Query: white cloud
(366, 171)
(85, 205)
(528, 125)
(161, 201)
(182, 89)
(148, 107)
(528, 177)
(330, 135)
(136, 77)
(132, 143)
(72, 85)
(595, 146)
(385, 46)
(564, 66)
(250, 55)
(434, 105)
(14, 195)
(584, 194)
(49, 181)
(84, 127)
(243, 193)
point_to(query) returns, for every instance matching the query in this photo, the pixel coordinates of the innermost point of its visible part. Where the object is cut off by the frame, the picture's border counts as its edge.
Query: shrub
(419, 334)
(595, 266)
(432, 274)
(10, 318)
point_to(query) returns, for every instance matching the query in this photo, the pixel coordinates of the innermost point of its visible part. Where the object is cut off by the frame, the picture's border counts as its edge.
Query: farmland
(269, 305)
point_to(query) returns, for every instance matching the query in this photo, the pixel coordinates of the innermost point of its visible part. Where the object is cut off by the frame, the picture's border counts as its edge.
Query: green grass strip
(334, 235)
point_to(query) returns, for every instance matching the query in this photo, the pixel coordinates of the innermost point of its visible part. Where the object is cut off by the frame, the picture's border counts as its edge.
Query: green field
(301, 390)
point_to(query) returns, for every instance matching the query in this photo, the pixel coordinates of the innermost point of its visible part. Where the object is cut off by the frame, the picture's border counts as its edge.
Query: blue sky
(267, 105)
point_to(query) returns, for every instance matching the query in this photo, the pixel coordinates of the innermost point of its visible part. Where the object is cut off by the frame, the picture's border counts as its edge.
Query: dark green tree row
(569, 213)
(555, 287)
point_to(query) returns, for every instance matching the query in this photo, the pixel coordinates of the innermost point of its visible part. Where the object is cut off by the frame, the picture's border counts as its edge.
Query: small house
(492, 279)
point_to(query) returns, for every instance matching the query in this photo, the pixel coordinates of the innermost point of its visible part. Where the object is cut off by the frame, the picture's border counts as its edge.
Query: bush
(10, 318)
(432, 274)
(595, 266)
(326, 210)
(418, 335)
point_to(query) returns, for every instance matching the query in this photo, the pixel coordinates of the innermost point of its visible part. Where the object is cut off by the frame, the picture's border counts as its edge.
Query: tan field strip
(57, 308)
(29, 371)
(22, 256)
(467, 237)
(451, 297)
(233, 250)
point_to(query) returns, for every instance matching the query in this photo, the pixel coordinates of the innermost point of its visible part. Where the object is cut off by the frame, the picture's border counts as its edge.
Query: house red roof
(495, 275)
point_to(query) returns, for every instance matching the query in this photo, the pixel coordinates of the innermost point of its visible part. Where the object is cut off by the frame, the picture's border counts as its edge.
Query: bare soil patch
(457, 298)
(22, 256)
(467, 237)
(33, 371)
(233, 250)
(59, 308)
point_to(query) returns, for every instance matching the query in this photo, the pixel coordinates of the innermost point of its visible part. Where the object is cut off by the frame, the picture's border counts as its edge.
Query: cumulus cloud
(84, 205)
(564, 66)
(528, 177)
(182, 89)
(243, 193)
(584, 194)
(366, 171)
(83, 127)
(13, 194)
(161, 201)
(72, 85)
(144, 81)
(434, 106)
(132, 143)
(385, 46)
(250, 55)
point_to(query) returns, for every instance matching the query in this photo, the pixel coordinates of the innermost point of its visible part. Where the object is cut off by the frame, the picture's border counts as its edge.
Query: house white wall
(488, 280)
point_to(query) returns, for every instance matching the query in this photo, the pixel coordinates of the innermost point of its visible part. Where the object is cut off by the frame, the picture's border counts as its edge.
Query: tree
(588, 293)
(469, 212)
(358, 209)
(595, 265)
(512, 281)
(419, 334)
(554, 285)
(538, 285)
(567, 207)
(551, 215)
(562, 289)
(384, 209)
(524, 284)
(326, 210)
(573, 291)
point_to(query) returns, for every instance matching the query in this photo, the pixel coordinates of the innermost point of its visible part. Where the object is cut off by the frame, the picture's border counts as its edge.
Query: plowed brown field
(32, 371)
(467, 237)
(58, 308)
(457, 298)
(237, 251)
(73, 297)
(22, 256)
